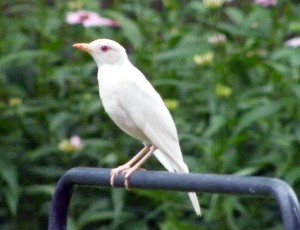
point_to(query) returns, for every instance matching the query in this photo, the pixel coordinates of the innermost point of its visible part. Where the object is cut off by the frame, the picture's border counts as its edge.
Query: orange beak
(82, 46)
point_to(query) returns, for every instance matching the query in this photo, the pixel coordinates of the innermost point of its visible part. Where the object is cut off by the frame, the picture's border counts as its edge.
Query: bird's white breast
(113, 83)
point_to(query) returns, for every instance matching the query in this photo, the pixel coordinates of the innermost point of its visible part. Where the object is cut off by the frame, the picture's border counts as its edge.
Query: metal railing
(208, 183)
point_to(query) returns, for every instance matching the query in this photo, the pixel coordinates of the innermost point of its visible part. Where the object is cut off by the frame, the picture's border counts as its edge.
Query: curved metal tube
(209, 183)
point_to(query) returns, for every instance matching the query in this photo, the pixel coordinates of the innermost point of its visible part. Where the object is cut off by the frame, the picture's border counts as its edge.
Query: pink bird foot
(116, 171)
(127, 169)
(127, 174)
(124, 170)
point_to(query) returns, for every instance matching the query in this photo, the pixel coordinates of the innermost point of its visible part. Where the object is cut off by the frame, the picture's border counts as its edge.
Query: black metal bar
(210, 183)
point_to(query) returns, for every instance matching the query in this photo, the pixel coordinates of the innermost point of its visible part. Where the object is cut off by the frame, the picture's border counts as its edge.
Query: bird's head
(104, 51)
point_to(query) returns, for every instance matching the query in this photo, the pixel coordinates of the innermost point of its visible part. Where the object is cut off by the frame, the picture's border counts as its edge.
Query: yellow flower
(203, 59)
(257, 52)
(171, 104)
(65, 146)
(87, 96)
(213, 4)
(15, 101)
(223, 90)
(74, 5)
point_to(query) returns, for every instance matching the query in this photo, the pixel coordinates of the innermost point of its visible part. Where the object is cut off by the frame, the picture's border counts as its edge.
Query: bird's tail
(176, 165)
(195, 203)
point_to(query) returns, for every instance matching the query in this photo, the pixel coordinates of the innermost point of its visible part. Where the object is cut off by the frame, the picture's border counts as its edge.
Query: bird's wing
(148, 111)
(164, 160)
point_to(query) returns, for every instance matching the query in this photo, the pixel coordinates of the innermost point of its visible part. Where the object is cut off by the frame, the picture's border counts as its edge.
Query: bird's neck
(110, 73)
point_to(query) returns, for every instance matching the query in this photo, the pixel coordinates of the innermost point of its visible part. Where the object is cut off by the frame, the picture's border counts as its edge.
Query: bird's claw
(127, 174)
(112, 177)
(115, 172)
(126, 171)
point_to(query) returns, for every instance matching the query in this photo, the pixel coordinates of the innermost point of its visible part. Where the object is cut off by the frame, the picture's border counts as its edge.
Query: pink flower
(71, 145)
(293, 42)
(266, 3)
(75, 142)
(217, 39)
(89, 19)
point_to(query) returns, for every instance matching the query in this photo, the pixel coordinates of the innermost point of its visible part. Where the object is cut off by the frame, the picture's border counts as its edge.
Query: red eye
(104, 48)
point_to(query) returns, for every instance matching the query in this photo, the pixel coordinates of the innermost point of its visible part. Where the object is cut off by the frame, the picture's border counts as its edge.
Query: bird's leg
(130, 170)
(114, 172)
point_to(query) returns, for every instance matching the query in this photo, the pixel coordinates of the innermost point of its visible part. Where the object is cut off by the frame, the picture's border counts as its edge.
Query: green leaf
(61, 121)
(235, 14)
(246, 171)
(24, 57)
(289, 54)
(41, 152)
(216, 123)
(71, 225)
(182, 51)
(282, 53)
(293, 175)
(93, 107)
(130, 28)
(257, 113)
(8, 173)
(51, 171)
(118, 202)
(95, 216)
(12, 199)
(40, 189)
(232, 29)
(255, 24)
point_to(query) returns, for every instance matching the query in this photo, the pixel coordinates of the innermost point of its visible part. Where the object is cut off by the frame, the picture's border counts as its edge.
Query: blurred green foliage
(236, 104)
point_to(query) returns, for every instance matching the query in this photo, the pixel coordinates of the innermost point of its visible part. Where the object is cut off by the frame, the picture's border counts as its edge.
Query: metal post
(210, 183)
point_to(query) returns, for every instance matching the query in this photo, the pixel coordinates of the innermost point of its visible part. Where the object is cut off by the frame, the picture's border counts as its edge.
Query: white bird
(137, 109)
